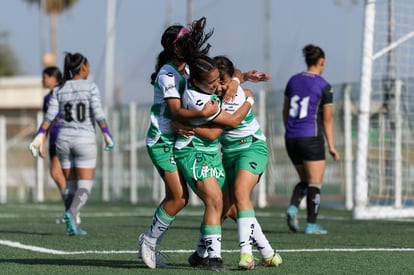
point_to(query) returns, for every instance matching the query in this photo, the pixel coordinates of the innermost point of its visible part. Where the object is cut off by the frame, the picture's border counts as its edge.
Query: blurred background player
(51, 77)
(307, 116)
(78, 101)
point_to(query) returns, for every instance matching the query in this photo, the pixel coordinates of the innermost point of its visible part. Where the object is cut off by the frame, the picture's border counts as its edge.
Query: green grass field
(32, 243)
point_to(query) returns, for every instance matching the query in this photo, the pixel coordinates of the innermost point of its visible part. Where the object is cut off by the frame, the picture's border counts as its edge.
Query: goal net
(384, 180)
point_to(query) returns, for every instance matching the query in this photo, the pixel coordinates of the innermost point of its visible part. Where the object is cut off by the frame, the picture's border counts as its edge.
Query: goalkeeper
(78, 100)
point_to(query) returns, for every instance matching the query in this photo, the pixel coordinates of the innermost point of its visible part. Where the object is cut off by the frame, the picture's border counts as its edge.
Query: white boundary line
(61, 252)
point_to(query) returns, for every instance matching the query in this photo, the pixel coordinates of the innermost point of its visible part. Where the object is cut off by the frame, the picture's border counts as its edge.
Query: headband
(83, 59)
(183, 31)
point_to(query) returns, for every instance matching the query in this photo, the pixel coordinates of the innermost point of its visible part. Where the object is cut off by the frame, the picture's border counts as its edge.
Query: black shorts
(305, 149)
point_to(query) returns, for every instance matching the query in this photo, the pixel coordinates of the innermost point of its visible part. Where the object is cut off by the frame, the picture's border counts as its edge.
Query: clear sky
(239, 32)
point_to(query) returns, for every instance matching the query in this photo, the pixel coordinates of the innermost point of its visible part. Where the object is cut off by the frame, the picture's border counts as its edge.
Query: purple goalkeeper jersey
(307, 94)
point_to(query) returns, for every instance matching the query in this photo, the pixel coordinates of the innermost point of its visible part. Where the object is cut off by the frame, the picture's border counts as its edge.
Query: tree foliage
(9, 64)
(54, 6)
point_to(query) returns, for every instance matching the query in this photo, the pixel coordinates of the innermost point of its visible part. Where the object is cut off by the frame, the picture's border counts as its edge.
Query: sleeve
(96, 104)
(52, 107)
(196, 101)
(167, 84)
(327, 94)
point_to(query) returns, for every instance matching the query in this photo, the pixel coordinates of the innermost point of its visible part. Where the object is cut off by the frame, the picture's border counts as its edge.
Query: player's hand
(231, 91)
(182, 129)
(334, 153)
(210, 108)
(36, 146)
(256, 76)
(109, 141)
(108, 138)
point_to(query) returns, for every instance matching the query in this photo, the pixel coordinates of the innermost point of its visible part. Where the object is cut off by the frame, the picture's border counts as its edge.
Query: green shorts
(253, 159)
(198, 165)
(162, 156)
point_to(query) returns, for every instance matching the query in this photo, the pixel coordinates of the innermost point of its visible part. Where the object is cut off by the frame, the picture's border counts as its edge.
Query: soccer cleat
(274, 260)
(71, 228)
(158, 255)
(315, 229)
(246, 261)
(80, 231)
(216, 265)
(77, 220)
(158, 260)
(140, 241)
(196, 261)
(292, 218)
(147, 251)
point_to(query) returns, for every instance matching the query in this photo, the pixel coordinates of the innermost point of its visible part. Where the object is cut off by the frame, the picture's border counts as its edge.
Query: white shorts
(79, 152)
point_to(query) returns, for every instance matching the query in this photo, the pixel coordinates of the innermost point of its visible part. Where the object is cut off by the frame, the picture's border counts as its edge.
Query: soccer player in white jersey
(78, 100)
(199, 160)
(169, 81)
(244, 157)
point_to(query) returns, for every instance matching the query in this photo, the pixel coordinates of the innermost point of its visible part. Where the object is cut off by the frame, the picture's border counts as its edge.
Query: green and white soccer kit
(160, 139)
(243, 147)
(198, 158)
(80, 105)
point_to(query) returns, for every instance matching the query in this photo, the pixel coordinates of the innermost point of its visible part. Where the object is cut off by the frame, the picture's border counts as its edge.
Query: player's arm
(238, 77)
(209, 131)
(329, 130)
(233, 120)
(206, 131)
(181, 114)
(285, 113)
(328, 127)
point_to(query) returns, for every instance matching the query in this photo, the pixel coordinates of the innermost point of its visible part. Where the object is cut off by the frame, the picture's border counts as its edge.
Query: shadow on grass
(84, 262)
(24, 232)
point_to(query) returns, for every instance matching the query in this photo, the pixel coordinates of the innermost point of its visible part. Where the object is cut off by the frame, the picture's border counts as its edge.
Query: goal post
(384, 186)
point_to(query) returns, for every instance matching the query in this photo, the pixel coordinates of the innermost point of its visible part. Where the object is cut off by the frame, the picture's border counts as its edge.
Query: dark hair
(312, 54)
(190, 42)
(224, 65)
(72, 65)
(53, 71)
(200, 66)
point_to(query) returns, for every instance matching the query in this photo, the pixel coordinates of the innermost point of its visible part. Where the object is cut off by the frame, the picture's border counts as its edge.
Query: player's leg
(56, 171)
(209, 191)
(315, 170)
(295, 153)
(83, 161)
(176, 198)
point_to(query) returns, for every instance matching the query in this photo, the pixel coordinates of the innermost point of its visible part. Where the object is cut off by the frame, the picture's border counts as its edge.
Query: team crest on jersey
(242, 141)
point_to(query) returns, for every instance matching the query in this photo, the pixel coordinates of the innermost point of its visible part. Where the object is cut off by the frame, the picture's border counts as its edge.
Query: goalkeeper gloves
(109, 140)
(35, 147)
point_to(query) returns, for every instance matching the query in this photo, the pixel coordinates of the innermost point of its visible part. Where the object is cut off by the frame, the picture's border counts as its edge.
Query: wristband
(41, 131)
(106, 130)
(250, 100)
(236, 79)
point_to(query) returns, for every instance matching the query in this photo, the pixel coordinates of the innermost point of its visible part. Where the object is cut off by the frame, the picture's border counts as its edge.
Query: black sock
(313, 201)
(299, 192)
